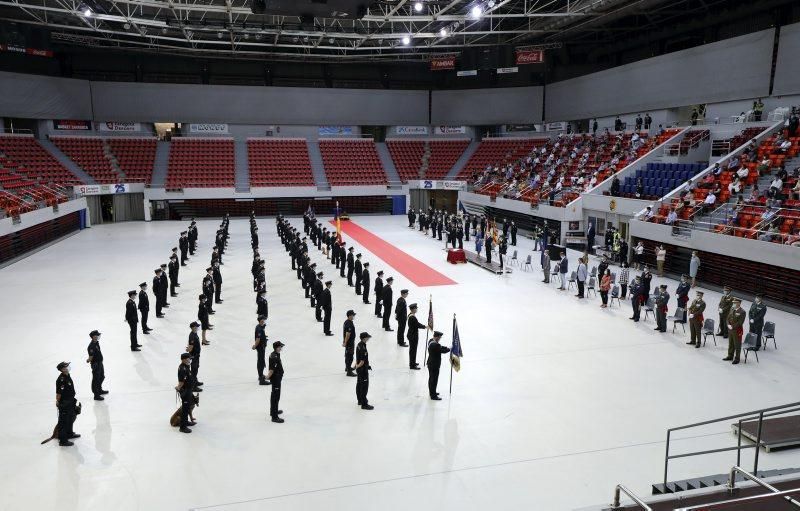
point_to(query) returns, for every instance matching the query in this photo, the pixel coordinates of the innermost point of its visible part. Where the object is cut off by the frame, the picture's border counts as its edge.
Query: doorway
(106, 208)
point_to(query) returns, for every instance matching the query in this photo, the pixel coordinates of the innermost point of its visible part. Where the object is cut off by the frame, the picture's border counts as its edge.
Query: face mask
(68, 369)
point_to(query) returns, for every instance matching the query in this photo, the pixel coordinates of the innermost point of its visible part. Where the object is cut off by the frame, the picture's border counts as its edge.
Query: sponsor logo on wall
(443, 63)
(529, 56)
(556, 126)
(208, 128)
(449, 130)
(335, 130)
(35, 52)
(442, 185)
(411, 130)
(101, 189)
(507, 70)
(468, 72)
(119, 126)
(71, 125)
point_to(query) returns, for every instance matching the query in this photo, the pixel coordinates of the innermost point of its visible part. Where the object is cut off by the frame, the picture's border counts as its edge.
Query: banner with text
(440, 185)
(449, 130)
(210, 129)
(530, 57)
(119, 126)
(71, 125)
(443, 63)
(335, 130)
(102, 189)
(507, 70)
(36, 52)
(411, 130)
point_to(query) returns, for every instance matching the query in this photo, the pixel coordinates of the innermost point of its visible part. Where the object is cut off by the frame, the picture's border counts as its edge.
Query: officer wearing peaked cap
(132, 318)
(66, 404)
(358, 269)
(95, 361)
(275, 376)
(362, 371)
(435, 351)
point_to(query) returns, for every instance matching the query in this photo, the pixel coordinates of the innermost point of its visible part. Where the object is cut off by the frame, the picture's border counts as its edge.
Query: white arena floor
(557, 401)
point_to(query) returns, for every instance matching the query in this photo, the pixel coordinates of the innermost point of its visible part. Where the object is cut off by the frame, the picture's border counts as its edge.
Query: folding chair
(768, 333)
(678, 319)
(649, 308)
(590, 287)
(593, 273)
(749, 345)
(615, 295)
(708, 329)
(514, 260)
(554, 273)
(573, 278)
(613, 278)
(527, 263)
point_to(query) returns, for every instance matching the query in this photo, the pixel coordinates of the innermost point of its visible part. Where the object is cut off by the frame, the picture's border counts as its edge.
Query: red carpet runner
(414, 270)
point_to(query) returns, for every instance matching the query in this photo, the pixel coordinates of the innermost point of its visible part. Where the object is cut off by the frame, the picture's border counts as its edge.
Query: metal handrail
(757, 480)
(743, 500)
(623, 489)
(744, 417)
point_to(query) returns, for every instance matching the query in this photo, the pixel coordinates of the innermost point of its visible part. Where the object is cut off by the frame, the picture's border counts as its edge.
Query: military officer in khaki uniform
(695, 311)
(734, 322)
(725, 303)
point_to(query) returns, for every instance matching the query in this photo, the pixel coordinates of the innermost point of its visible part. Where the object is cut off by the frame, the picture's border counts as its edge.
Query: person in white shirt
(785, 146)
(775, 187)
(735, 187)
(672, 217)
(638, 255)
(710, 200)
(648, 214)
(661, 257)
(743, 172)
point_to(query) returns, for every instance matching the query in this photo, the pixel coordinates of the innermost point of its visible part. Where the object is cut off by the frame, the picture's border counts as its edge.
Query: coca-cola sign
(530, 57)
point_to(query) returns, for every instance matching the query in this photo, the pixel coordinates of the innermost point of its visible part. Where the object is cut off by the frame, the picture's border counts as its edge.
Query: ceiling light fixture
(476, 12)
(490, 4)
(418, 6)
(406, 40)
(87, 12)
(443, 32)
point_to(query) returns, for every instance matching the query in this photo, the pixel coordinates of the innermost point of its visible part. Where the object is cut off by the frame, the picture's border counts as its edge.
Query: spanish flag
(338, 223)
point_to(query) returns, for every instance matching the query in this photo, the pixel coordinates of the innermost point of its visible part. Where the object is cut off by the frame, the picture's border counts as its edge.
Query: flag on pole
(461, 208)
(338, 223)
(430, 314)
(494, 232)
(455, 350)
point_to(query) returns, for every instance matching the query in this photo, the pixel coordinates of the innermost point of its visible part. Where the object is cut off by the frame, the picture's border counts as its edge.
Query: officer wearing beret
(362, 371)
(327, 307)
(194, 347)
(65, 402)
(414, 326)
(358, 269)
(435, 351)
(260, 345)
(95, 361)
(275, 376)
(349, 342)
(386, 298)
(144, 307)
(366, 283)
(184, 389)
(401, 315)
(132, 318)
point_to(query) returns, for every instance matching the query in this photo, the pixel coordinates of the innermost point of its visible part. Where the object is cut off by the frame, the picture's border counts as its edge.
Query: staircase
(317, 167)
(242, 165)
(160, 165)
(426, 156)
(388, 166)
(66, 162)
(112, 159)
(715, 480)
(462, 161)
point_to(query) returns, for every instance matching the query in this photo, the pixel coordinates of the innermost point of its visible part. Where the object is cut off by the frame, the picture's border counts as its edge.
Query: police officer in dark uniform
(359, 270)
(401, 315)
(95, 361)
(316, 296)
(366, 283)
(132, 318)
(192, 237)
(275, 376)
(342, 259)
(144, 307)
(386, 298)
(157, 293)
(435, 351)
(378, 294)
(262, 306)
(208, 289)
(349, 342)
(260, 345)
(202, 316)
(327, 307)
(513, 230)
(65, 402)
(163, 285)
(460, 235)
(194, 347)
(362, 372)
(183, 243)
(184, 389)
(173, 274)
(350, 266)
(217, 277)
(414, 326)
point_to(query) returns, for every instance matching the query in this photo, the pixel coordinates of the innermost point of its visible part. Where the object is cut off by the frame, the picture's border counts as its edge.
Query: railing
(759, 415)
(622, 489)
(754, 499)
(16, 131)
(776, 493)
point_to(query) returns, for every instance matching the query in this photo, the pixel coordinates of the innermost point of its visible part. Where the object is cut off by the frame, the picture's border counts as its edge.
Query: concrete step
(317, 167)
(242, 166)
(388, 164)
(160, 164)
(462, 161)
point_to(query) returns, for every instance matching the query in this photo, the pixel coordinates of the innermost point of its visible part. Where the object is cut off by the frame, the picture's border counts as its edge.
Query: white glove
(751, 321)
(691, 316)
(720, 311)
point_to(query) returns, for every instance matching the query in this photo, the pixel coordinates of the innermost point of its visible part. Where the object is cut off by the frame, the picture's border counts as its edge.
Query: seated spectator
(796, 190)
(775, 188)
(770, 212)
(615, 186)
(793, 240)
(672, 217)
(639, 188)
(743, 172)
(785, 146)
(764, 166)
(755, 194)
(734, 163)
(751, 147)
(717, 170)
(709, 201)
(770, 234)
(783, 174)
(735, 187)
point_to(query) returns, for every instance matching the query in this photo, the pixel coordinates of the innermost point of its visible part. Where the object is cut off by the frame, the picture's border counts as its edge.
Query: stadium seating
(407, 156)
(135, 157)
(690, 141)
(201, 163)
(660, 178)
(352, 161)
(444, 155)
(89, 154)
(24, 156)
(498, 151)
(279, 162)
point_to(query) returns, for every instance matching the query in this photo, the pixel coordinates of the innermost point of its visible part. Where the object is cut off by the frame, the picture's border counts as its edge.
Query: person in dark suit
(513, 231)
(183, 243)
(132, 318)
(563, 267)
(435, 351)
(316, 295)
(366, 283)
(401, 315)
(378, 294)
(350, 266)
(163, 285)
(144, 307)
(358, 269)
(414, 326)
(488, 244)
(327, 307)
(386, 298)
(590, 238)
(262, 306)
(173, 274)
(217, 277)
(636, 297)
(157, 293)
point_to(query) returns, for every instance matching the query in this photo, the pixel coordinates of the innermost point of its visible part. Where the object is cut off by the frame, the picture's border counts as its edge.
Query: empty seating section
(691, 140)
(724, 146)
(656, 141)
(352, 161)
(89, 153)
(407, 156)
(658, 179)
(135, 157)
(279, 162)
(200, 163)
(443, 155)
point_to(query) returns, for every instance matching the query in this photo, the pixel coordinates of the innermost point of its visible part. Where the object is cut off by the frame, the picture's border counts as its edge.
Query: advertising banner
(71, 125)
(449, 130)
(443, 63)
(529, 56)
(507, 70)
(36, 52)
(335, 130)
(411, 130)
(556, 126)
(441, 185)
(101, 189)
(211, 129)
(468, 72)
(119, 126)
